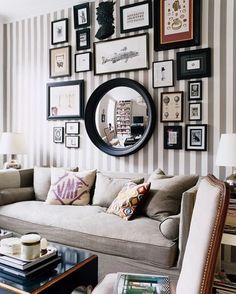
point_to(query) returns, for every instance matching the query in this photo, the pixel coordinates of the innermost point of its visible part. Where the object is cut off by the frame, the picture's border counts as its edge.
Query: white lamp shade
(226, 155)
(12, 143)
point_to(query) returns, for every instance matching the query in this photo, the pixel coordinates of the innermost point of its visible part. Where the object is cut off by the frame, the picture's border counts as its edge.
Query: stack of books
(15, 265)
(225, 283)
(230, 223)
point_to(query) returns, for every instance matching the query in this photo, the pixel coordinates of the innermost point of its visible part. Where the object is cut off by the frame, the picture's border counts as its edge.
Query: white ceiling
(11, 10)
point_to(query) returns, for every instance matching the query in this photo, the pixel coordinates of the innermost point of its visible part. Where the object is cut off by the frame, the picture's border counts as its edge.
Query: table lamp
(226, 156)
(12, 144)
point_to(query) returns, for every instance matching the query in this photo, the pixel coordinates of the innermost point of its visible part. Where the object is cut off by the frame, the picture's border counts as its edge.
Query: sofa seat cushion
(90, 227)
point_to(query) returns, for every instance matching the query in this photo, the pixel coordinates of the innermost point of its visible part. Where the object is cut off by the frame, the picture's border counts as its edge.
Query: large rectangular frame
(65, 100)
(176, 24)
(121, 54)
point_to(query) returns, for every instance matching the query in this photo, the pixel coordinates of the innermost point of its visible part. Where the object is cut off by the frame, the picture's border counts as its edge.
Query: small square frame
(195, 111)
(72, 128)
(194, 64)
(172, 137)
(171, 106)
(59, 31)
(58, 134)
(196, 138)
(81, 15)
(60, 62)
(163, 74)
(72, 141)
(195, 90)
(82, 39)
(83, 62)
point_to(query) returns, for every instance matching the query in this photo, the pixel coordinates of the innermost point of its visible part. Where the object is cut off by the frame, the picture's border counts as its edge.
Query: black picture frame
(171, 108)
(196, 137)
(60, 62)
(59, 31)
(175, 38)
(72, 128)
(173, 137)
(72, 141)
(194, 64)
(137, 18)
(83, 62)
(65, 100)
(58, 134)
(83, 39)
(81, 15)
(195, 111)
(195, 90)
(163, 74)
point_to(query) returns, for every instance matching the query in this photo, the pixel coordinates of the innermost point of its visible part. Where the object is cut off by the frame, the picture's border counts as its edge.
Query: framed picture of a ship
(121, 55)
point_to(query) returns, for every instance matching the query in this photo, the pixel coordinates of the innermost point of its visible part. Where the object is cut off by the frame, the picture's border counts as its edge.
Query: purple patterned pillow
(70, 188)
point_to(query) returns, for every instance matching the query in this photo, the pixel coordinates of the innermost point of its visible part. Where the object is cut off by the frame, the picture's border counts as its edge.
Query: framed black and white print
(59, 31)
(195, 90)
(195, 111)
(83, 61)
(122, 54)
(171, 107)
(196, 137)
(136, 16)
(58, 134)
(60, 62)
(81, 15)
(163, 73)
(82, 39)
(172, 137)
(72, 141)
(194, 64)
(72, 128)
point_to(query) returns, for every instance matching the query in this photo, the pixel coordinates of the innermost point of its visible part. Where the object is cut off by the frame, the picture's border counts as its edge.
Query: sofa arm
(13, 178)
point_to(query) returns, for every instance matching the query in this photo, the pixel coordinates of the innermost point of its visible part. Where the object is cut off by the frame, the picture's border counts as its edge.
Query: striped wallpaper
(26, 45)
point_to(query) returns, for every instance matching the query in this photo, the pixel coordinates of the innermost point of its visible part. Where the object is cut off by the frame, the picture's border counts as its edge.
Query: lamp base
(12, 164)
(231, 180)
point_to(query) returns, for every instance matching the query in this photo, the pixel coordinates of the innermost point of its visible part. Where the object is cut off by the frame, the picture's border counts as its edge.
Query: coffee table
(76, 268)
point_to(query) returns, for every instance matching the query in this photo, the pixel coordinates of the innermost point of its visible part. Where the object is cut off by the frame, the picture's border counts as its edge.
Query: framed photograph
(176, 24)
(72, 128)
(172, 137)
(196, 137)
(135, 17)
(195, 111)
(122, 54)
(194, 64)
(82, 39)
(83, 62)
(171, 106)
(58, 135)
(65, 100)
(59, 31)
(163, 73)
(60, 62)
(72, 141)
(81, 15)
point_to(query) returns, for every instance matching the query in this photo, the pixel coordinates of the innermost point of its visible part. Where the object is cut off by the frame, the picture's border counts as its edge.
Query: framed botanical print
(58, 134)
(196, 137)
(81, 15)
(60, 62)
(195, 90)
(59, 31)
(65, 100)
(195, 111)
(82, 39)
(72, 128)
(72, 141)
(176, 24)
(172, 137)
(83, 61)
(163, 73)
(171, 107)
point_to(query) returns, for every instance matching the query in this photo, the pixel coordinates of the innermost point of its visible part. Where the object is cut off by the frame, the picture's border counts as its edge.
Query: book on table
(128, 283)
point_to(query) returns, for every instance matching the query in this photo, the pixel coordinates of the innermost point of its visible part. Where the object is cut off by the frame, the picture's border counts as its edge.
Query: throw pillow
(70, 187)
(169, 227)
(107, 188)
(129, 200)
(166, 193)
(42, 182)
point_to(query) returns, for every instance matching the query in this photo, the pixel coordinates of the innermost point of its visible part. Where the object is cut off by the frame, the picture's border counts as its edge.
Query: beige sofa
(147, 243)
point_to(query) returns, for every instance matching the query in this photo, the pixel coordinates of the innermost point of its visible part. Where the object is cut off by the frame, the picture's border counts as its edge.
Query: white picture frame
(163, 73)
(83, 62)
(72, 128)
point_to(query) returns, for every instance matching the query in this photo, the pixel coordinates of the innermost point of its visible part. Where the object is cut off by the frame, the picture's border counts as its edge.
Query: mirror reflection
(121, 117)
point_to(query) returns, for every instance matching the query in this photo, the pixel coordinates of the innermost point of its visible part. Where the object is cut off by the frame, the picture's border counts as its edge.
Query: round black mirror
(120, 117)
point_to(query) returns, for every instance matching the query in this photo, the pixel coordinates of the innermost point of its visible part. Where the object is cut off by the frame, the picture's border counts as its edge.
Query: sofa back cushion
(107, 188)
(42, 182)
(9, 178)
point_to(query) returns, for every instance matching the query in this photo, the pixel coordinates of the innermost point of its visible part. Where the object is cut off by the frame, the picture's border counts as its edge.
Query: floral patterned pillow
(70, 188)
(129, 200)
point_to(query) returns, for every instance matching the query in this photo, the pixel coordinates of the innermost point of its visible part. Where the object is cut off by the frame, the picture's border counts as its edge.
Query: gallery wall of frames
(65, 55)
